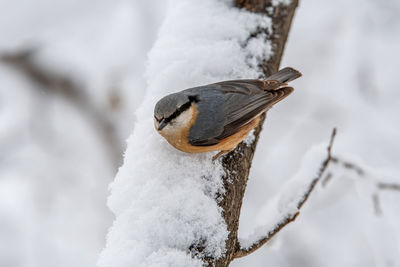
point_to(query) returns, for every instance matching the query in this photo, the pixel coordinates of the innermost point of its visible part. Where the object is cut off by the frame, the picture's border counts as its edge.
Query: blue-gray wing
(223, 108)
(211, 119)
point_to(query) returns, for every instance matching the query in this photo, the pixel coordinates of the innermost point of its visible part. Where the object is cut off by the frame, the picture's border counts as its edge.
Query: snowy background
(56, 165)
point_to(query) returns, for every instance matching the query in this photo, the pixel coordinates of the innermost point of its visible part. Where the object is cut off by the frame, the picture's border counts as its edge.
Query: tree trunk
(237, 163)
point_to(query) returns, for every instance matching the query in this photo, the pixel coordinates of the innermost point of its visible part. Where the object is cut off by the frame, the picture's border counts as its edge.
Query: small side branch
(362, 173)
(348, 165)
(377, 203)
(242, 252)
(388, 186)
(376, 196)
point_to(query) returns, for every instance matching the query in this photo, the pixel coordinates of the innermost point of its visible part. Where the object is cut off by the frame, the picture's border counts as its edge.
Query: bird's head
(172, 111)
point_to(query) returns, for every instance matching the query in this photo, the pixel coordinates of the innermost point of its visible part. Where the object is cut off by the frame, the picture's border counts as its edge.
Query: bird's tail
(285, 75)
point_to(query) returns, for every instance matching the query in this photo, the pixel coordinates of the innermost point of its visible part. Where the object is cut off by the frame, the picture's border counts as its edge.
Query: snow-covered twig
(288, 218)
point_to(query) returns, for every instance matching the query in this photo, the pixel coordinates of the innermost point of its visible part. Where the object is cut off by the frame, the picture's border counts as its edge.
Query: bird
(218, 116)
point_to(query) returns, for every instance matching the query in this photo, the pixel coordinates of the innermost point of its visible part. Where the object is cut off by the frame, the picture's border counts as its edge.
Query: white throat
(179, 123)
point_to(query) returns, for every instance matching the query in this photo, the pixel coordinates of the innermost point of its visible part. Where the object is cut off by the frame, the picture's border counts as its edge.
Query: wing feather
(240, 111)
(229, 105)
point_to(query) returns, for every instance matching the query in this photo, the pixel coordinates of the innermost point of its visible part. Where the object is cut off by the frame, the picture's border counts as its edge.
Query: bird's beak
(162, 124)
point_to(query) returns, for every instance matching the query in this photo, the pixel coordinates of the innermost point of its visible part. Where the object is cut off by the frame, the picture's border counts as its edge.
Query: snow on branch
(291, 200)
(183, 209)
(169, 204)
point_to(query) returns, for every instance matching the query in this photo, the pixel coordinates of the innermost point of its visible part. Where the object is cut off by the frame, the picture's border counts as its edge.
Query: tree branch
(241, 252)
(237, 163)
(54, 83)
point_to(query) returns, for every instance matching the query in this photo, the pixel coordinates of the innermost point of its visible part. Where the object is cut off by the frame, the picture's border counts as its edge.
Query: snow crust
(250, 138)
(284, 2)
(164, 200)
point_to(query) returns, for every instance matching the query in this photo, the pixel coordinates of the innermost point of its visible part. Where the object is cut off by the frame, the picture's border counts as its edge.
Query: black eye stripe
(178, 111)
(193, 98)
(182, 108)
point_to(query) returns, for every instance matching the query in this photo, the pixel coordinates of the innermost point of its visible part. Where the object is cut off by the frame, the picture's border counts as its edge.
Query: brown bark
(238, 162)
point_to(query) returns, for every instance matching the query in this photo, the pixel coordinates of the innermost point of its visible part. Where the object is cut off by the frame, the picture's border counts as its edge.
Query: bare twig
(377, 204)
(376, 199)
(345, 164)
(54, 83)
(388, 186)
(327, 179)
(241, 252)
(349, 165)
(380, 186)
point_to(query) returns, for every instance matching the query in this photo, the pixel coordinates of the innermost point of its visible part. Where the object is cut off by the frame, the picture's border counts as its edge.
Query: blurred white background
(62, 135)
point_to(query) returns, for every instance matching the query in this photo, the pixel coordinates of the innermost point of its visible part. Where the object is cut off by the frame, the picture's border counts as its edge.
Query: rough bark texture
(237, 163)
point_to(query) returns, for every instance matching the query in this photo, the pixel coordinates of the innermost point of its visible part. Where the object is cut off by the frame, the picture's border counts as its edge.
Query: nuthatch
(218, 116)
